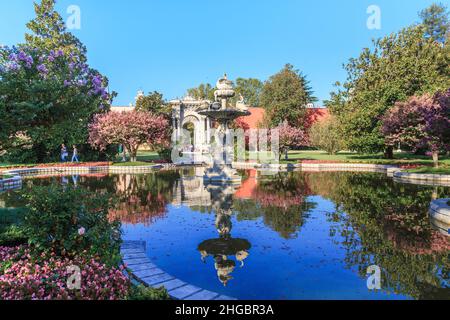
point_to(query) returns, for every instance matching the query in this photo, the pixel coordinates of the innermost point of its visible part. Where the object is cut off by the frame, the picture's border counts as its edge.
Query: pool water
(287, 236)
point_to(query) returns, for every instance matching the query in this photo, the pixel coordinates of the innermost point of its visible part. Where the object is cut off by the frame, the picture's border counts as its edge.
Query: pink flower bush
(420, 122)
(132, 129)
(290, 137)
(24, 278)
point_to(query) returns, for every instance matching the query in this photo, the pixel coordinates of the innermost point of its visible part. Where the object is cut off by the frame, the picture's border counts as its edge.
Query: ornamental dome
(224, 84)
(224, 88)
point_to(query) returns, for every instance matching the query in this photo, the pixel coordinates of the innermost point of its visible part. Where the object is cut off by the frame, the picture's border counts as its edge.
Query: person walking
(64, 153)
(75, 154)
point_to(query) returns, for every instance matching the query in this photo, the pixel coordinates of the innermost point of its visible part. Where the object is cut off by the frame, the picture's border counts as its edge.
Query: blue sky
(172, 45)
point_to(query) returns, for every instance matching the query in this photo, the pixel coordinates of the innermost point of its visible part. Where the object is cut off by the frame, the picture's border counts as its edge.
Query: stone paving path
(143, 270)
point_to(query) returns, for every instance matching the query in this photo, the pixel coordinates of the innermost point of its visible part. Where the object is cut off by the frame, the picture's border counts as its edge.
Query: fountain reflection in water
(223, 248)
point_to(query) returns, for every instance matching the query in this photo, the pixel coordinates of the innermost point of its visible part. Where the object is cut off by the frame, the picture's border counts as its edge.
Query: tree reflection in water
(138, 198)
(281, 200)
(142, 198)
(375, 220)
(387, 224)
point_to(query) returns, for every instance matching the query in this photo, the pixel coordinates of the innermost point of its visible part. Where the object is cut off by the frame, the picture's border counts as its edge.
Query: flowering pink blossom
(132, 129)
(21, 278)
(81, 231)
(290, 137)
(420, 122)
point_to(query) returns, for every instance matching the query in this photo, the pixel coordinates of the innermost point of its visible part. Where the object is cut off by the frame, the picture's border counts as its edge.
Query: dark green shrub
(11, 231)
(165, 154)
(87, 153)
(70, 221)
(12, 235)
(141, 293)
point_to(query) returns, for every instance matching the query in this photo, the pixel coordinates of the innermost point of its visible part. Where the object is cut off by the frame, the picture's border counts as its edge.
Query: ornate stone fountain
(223, 113)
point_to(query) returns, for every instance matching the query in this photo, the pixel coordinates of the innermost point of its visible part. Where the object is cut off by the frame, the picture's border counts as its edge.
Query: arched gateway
(185, 116)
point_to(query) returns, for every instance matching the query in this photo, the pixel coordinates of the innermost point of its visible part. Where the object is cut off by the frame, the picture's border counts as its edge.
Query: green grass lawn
(399, 158)
(142, 156)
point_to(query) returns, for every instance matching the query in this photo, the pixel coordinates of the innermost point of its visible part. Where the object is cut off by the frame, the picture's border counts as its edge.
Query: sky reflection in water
(291, 236)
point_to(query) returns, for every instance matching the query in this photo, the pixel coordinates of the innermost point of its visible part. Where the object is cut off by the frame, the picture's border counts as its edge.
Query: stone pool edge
(141, 268)
(440, 215)
(391, 170)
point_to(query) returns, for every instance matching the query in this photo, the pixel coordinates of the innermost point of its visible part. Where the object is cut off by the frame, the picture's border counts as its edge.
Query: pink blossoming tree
(131, 129)
(290, 137)
(420, 122)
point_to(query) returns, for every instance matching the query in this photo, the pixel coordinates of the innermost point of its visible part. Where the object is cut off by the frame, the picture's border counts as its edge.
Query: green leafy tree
(46, 99)
(48, 93)
(436, 22)
(285, 96)
(400, 65)
(48, 32)
(326, 135)
(250, 89)
(154, 103)
(202, 92)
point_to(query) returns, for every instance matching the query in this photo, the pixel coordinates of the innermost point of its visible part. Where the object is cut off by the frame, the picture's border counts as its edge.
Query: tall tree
(250, 89)
(326, 135)
(154, 103)
(400, 65)
(48, 93)
(202, 92)
(420, 122)
(285, 96)
(48, 32)
(435, 19)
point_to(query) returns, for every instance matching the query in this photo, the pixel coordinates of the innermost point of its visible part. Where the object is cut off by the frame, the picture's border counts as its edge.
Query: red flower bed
(75, 164)
(410, 166)
(162, 161)
(90, 175)
(46, 278)
(320, 161)
(59, 164)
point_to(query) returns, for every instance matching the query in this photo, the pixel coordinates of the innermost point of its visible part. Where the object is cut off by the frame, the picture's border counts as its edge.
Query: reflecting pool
(293, 235)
